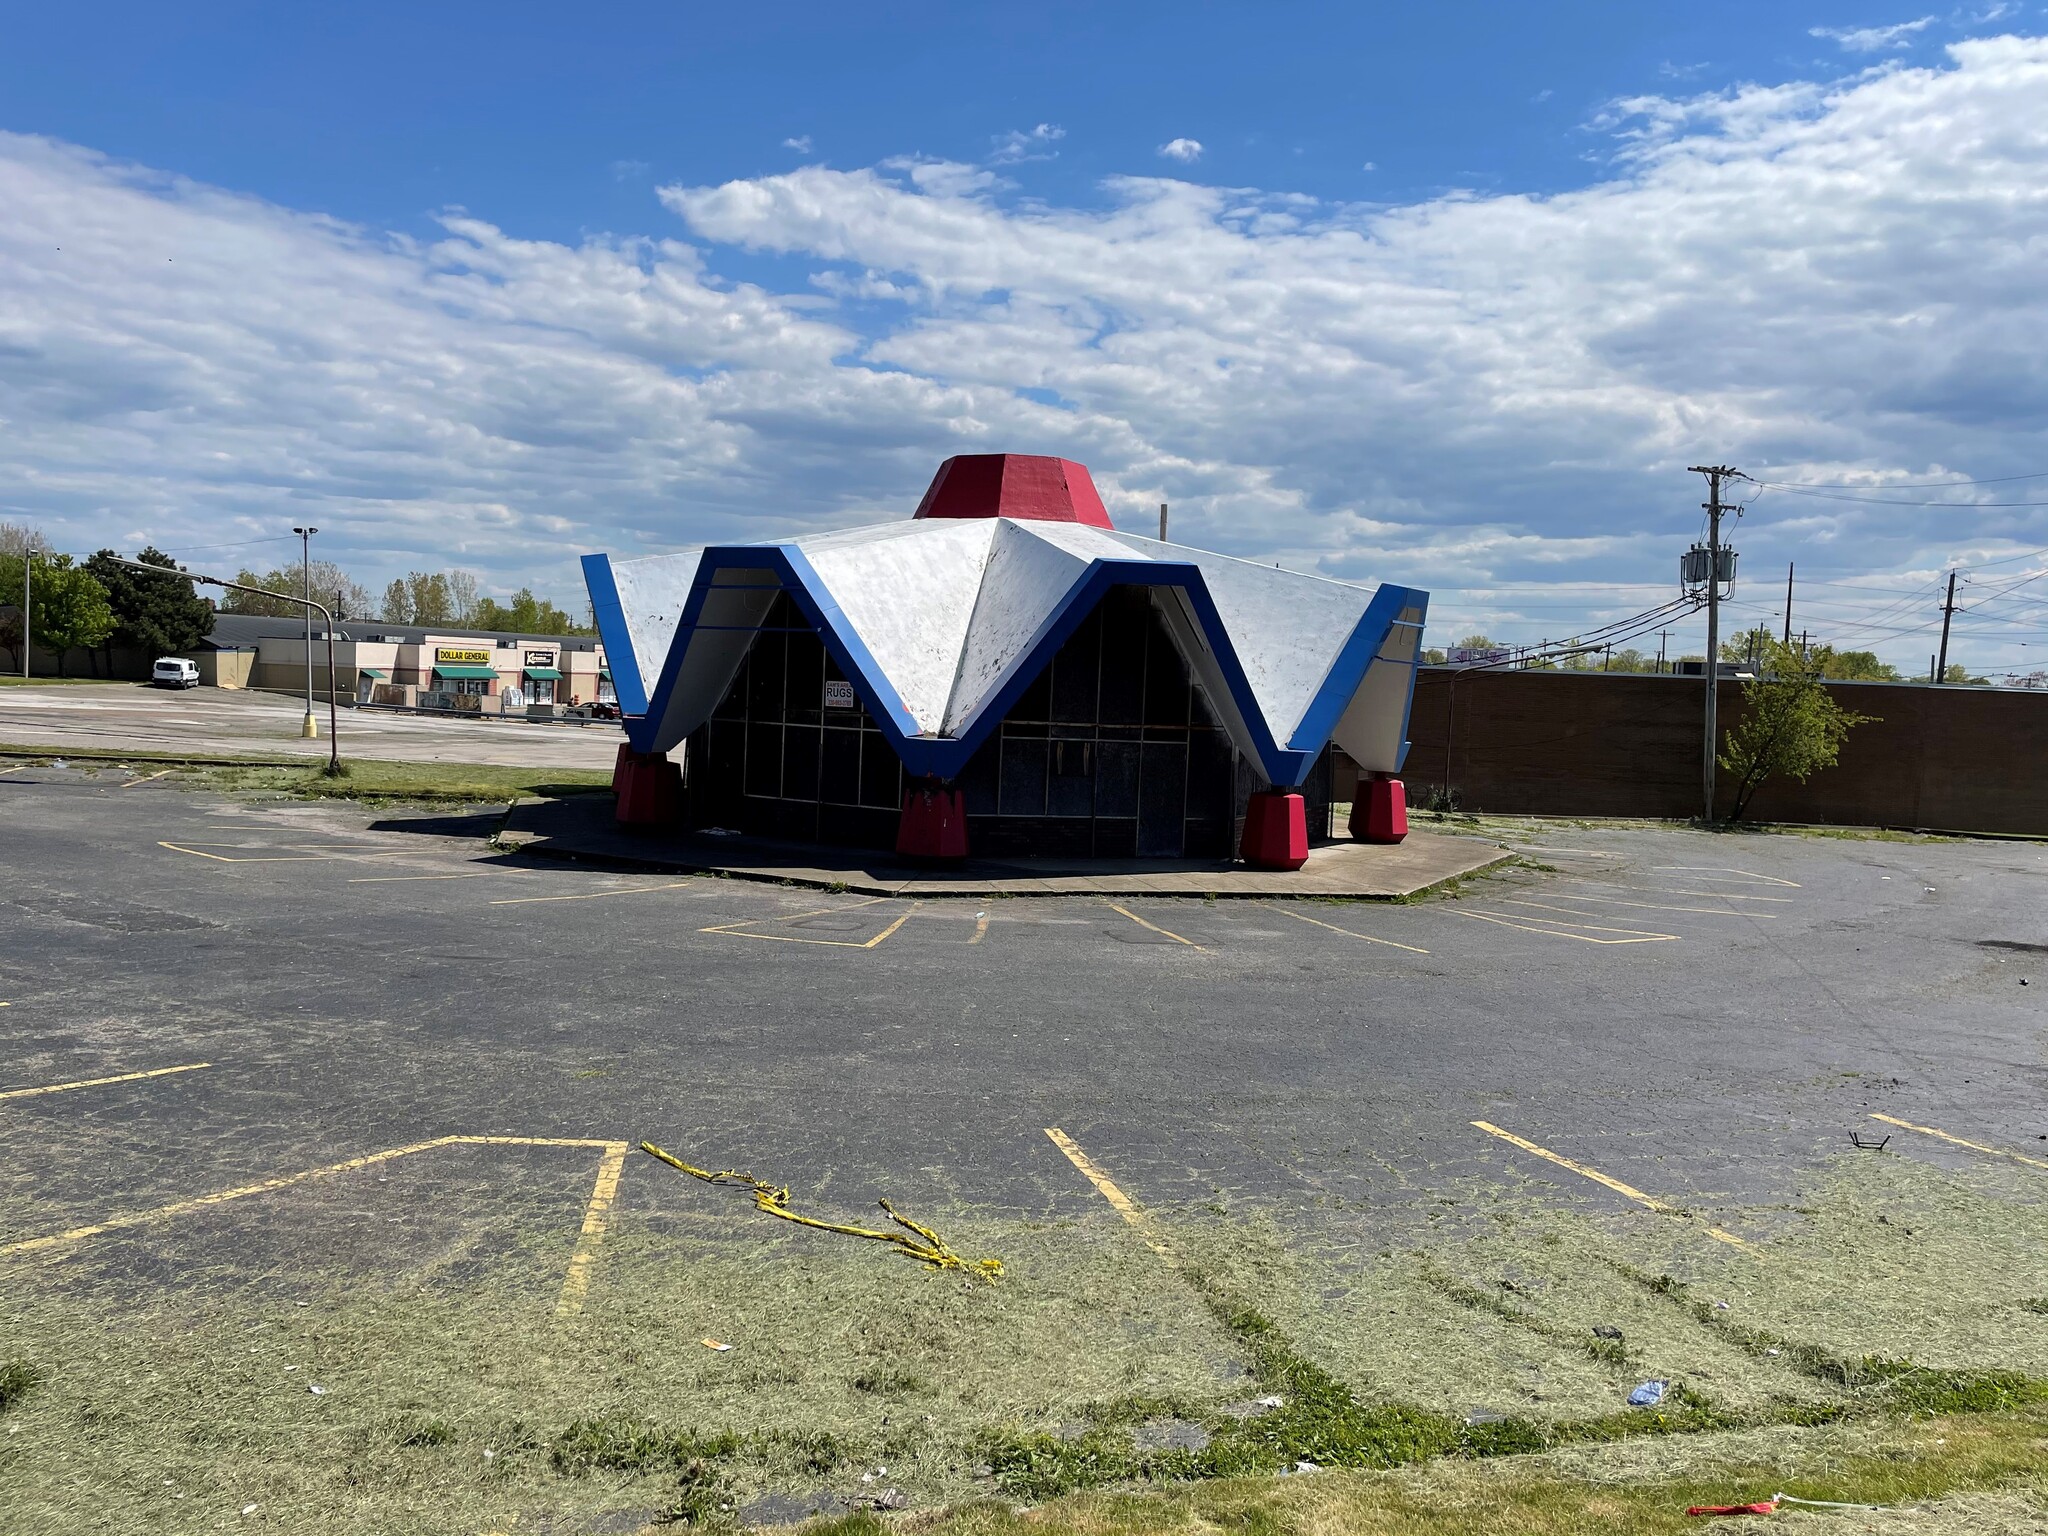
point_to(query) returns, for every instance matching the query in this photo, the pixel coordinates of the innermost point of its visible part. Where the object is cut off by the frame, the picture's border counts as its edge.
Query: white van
(174, 672)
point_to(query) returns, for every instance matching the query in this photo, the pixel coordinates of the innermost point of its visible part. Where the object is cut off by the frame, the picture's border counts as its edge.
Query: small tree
(1791, 725)
(67, 608)
(159, 615)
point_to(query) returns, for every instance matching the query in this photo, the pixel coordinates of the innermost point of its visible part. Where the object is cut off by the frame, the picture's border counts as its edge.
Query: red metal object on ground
(1733, 1509)
(1275, 830)
(1379, 814)
(649, 788)
(1014, 485)
(934, 824)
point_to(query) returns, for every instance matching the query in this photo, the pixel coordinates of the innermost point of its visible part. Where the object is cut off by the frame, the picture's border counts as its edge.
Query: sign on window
(839, 695)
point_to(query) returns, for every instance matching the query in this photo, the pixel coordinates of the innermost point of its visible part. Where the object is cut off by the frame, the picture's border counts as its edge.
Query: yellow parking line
(1652, 906)
(1723, 869)
(1667, 890)
(638, 890)
(307, 853)
(980, 929)
(1974, 1146)
(101, 1082)
(146, 779)
(1578, 918)
(1557, 930)
(736, 930)
(480, 874)
(1119, 1202)
(1290, 912)
(1168, 932)
(17, 768)
(576, 1284)
(283, 1181)
(1629, 1190)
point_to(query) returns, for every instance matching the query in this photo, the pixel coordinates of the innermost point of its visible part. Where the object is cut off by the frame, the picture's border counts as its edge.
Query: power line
(1903, 485)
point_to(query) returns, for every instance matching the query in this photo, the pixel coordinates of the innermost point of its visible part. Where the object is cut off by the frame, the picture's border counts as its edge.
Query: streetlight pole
(310, 728)
(334, 767)
(28, 560)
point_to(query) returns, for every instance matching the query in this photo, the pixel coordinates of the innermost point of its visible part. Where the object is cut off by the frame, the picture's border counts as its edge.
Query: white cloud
(1873, 39)
(801, 143)
(629, 170)
(1492, 395)
(1187, 151)
(1021, 144)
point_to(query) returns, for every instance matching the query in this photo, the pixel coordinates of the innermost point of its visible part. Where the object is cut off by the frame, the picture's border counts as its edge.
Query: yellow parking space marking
(17, 768)
(1557, 930)
(1121, 1203)
(1318, 922)
(737, 930)
(638, 890)
(1974, 1146)
(1665, 890)
(1577, 853)
(596, 1216)
(149, 778)
(1578, 917)
(1722, 869)
(101, 1082)
(1652, 906)
(1649, 1202)
(980, 928)
(244, 1191)
(480, 874)
(1166, 932)
(296, 853)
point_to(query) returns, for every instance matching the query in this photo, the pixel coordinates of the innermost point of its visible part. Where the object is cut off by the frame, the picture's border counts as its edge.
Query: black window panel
(1206, 839)
(764, 760)
(881, 774)
(1062, 837)
(1166, 681)
(1026, 728)
(1035, 702)
(804, 697)
(1023, 787)
(839, 768)
(734, 705)
(764, 678)
(977, 784)
(1126, 624)
(1074, 673)
(800, 762)
(1116, 778)
(1162, 799)
(1070, 790)
(1209, 775)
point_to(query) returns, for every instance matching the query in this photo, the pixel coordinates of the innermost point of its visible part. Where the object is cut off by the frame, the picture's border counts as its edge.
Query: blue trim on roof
(627, 686)
(946, 757)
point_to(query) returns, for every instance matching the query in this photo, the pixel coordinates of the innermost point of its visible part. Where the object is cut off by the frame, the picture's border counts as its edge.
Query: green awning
(454, 671)
(548, 674)
(604, 674)
(373, 672)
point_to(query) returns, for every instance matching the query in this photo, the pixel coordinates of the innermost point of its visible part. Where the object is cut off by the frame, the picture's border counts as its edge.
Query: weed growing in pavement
(624, 1444)
(2038, 1305)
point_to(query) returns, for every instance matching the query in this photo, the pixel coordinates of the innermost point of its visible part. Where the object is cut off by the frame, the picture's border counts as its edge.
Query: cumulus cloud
(1494, 396)
(1187, 151)
(801, 143)
(1875, 39)
(1021, 144)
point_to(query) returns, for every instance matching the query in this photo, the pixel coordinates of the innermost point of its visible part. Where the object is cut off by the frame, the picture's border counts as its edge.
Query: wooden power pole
(1715, 474)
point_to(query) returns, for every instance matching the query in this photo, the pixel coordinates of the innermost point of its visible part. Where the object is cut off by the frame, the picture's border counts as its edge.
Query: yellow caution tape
(926, 1246)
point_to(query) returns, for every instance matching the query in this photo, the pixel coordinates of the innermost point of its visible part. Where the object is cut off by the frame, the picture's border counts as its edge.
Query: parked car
(174, 672)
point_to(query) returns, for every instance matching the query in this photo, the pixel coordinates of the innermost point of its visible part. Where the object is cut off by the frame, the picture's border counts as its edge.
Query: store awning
(549, 674)
(372, 672)
(604, 674)
(455, 671)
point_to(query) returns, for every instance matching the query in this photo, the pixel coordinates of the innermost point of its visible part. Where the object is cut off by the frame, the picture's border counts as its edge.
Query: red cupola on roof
(1026, 485)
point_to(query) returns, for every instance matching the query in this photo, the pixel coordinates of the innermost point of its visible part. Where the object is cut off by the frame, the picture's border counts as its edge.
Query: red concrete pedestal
(1275, 830)
(1380, 812)
(649, 788)
(934, 824)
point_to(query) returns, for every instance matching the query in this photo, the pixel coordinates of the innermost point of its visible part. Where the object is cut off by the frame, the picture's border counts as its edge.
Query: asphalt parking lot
(260, 1052)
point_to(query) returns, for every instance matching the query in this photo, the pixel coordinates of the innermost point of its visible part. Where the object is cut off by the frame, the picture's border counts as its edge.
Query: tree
(333, 588)
(1857, 666)
(432, 603)
(1432, 657)
(525, 614)
(16, 537)
(158, 615)
(1958, 673)
(1791, 726)
(461, 597)
(67, 607)
(397, 604)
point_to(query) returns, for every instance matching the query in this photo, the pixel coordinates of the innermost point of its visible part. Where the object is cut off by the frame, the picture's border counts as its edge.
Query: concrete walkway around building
(582, 827)
(224, 722)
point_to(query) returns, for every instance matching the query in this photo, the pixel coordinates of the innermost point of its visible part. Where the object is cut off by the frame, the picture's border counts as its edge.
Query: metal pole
(1162, 522)
(1788, 602)
(1948, 610)
(308, 728)
(334, 767)
(28, 559)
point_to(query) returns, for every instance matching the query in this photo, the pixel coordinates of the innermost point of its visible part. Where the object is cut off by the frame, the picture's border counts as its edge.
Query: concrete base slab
(582, 827)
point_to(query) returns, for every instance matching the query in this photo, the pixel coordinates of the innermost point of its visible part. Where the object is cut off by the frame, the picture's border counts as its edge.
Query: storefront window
(471, 685)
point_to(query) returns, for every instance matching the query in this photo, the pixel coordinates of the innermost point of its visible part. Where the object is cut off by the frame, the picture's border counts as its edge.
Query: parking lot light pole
(335, 769)
(28, 560)
(310, 729)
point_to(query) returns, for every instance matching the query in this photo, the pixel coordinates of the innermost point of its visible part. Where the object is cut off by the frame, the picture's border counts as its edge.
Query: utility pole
(1948, 610)
(1162, 522)
(309, 728)
(1662, 636)
(1788, 602)
(1715, 474)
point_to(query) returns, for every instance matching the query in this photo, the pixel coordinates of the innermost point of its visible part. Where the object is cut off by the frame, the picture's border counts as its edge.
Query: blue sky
(1448, 295)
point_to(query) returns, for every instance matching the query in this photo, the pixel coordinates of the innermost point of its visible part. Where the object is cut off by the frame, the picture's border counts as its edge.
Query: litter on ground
(1648, 1395)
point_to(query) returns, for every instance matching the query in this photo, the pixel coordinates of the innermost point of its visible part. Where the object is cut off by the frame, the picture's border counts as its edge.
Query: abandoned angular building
(1003, 672)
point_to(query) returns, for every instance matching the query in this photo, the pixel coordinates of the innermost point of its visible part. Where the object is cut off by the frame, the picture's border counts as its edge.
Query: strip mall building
(1004, 672)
